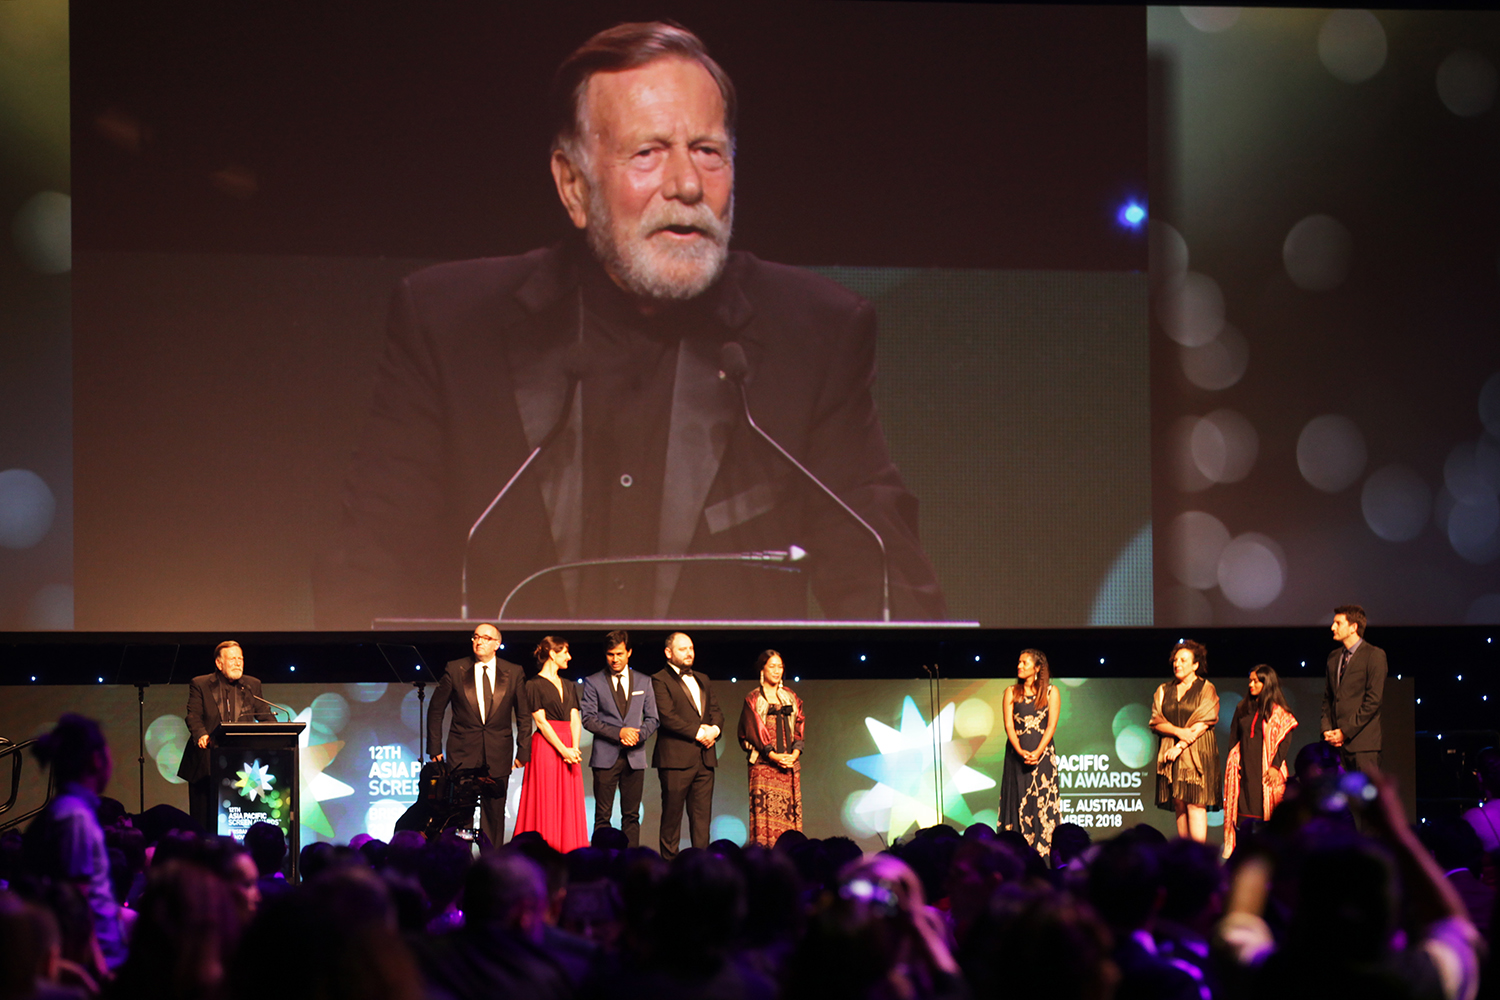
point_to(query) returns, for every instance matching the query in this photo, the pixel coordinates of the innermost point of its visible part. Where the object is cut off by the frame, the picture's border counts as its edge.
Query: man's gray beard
(633, 262)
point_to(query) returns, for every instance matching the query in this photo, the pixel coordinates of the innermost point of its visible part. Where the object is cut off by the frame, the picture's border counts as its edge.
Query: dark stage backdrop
(867, 767)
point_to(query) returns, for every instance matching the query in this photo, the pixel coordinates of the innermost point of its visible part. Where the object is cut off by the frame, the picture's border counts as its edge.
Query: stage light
(976, 659)
(1101, 659)
(1304, 663)
(734, 680)
(101, 680)
(861, 657)
(419, 666)
(1419, 701)
(33, 679)
(293, 668)
(1440, 735)
(1131, 215)
(796, 680)
(1460, 676)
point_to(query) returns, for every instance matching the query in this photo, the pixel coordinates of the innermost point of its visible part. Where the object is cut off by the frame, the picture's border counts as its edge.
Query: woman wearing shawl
(1255, 772)
(771, 724)
(1185, 711)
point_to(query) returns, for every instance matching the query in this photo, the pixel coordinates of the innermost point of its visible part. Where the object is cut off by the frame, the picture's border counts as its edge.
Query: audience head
(77, 752)
(1124, 884)
(267, 846)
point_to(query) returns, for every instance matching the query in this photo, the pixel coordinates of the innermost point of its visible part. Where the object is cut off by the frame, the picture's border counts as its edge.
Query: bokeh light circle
(26, 508)
(1134, 714)
(166, 739)
(1352, 45)
(1133, 746)
(1331, 453)
(1317, 253)
(1185, 472)
(975, 717)
(1194, 544)
(367, 691)
(1218, 364)
(51, 608)
(1225, 446)
(727, 827)
(1167, 252)
(1252, 571)
(1466, 83)
(1474, 529)
(1211, 19)
(1396, 503)
(43, 231)
(1191, 309)
(381, 817)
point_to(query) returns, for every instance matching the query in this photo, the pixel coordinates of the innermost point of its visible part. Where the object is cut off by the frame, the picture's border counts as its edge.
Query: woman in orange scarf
(1255, 773)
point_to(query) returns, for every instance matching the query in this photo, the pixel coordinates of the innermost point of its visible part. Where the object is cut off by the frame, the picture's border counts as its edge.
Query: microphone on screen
(736, 368)
(575, 366)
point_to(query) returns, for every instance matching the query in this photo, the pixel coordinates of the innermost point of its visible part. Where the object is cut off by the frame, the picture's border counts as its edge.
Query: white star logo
(906, 781)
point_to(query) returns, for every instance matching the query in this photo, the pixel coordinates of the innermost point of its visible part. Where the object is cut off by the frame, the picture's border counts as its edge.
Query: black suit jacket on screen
(470, 741)
(474, 377)
(1353, 704)
(204, 716)
(676, 737)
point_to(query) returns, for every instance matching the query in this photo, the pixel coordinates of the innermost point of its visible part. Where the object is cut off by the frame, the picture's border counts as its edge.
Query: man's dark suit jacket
(1354, 704)
(204, 715)
(473, 378)
(676, 737)
(471, 742)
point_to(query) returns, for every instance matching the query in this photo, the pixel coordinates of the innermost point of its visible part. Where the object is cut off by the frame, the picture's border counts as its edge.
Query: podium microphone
(784, 559)
(274, 707)
(575, 363)
(736, 367)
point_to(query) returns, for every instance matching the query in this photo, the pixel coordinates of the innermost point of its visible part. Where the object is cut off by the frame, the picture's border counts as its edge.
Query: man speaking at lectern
(617, 360)
(227, 695)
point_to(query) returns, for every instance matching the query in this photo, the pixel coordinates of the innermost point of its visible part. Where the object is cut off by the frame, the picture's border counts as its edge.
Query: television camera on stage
(446, 799)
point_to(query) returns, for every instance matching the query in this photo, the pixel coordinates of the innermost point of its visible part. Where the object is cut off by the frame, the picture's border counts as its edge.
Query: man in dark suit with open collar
(652, 455)
(226, 695)
(1353, 692)
(685, 755)
(482, 735)
(618, 706)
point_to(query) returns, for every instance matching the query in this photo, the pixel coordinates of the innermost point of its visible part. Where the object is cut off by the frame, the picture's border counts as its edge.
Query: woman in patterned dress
(771, 725)
(1028, 787)
(1185, 711)
(1255, 772)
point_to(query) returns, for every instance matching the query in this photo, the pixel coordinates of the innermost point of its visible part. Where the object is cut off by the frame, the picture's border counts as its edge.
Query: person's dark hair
(1069, 840)
(1064, 947)
(607, 838)
(765, 657)
(773, 896)
(1270, 694)
(503, 888)
(1043, 677)
(404, 854)
(187, 928)
(1354, 615)
(701, 907)
(1123, 880)
(1347, 902)
(70, 747)
(624, 47)
(445, 862)
(28, 933)
(267, 846)
(619, 637)
(550, 644)
(1199, 651)
(1315, 759)
(1191, 875)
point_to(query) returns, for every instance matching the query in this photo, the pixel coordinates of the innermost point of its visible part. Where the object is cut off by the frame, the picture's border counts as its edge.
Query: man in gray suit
(1353, 692)
(618, 706)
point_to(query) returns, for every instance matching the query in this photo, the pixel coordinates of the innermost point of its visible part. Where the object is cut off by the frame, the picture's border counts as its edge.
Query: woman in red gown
(552, 789)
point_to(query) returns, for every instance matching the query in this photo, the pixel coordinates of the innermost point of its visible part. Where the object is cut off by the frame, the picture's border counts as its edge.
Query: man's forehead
(488, 631)
(654, 96)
